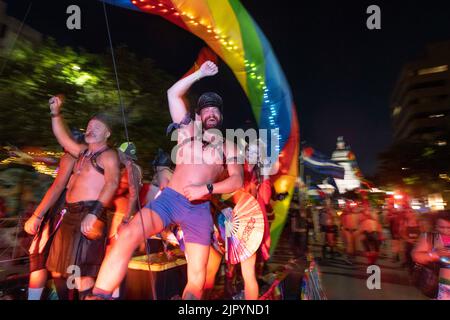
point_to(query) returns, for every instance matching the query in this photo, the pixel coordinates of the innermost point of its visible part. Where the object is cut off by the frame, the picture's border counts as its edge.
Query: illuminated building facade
(420, 103)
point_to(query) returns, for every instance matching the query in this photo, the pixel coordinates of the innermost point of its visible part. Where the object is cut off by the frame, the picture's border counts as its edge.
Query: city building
(10, 27)
(420, 103)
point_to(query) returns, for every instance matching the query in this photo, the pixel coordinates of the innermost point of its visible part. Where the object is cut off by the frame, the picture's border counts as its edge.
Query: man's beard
(217, 124)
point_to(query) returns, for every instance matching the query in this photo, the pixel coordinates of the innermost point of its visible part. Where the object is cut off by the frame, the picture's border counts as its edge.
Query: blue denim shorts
(194, 219)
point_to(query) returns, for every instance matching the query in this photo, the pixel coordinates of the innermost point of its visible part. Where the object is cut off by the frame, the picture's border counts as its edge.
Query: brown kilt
(71, 248)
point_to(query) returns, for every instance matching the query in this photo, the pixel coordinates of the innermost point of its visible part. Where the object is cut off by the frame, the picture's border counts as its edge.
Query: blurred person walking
(349, 225)
(410, 233)
(433, 253)
(393, 219)
(371, 235)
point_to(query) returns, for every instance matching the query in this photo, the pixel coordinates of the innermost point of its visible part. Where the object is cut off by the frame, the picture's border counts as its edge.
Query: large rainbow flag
(229, 30)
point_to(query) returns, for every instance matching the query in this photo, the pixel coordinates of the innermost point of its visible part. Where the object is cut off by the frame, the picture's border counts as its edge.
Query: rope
(15, 40)
(16, 259)
(122, 108)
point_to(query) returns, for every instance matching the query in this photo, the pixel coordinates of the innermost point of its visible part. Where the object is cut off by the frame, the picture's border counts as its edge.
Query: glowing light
(76, 67)
(42, 168)
(397, 111)
(436, 202)
(437, 69)
(398, 196)
(439, 115)
(81, 80)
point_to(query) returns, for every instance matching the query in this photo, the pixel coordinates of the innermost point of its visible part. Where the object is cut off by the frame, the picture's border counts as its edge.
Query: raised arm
(59, 128)
(53, 193)
(177, 106)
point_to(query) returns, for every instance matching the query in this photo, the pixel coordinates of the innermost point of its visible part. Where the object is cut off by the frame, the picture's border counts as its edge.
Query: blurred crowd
(351, 228)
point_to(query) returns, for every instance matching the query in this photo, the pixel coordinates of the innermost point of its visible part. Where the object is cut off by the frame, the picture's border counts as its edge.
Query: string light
(227, 43)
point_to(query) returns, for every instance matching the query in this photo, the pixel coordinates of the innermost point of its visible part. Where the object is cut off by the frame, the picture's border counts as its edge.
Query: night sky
(341, 74)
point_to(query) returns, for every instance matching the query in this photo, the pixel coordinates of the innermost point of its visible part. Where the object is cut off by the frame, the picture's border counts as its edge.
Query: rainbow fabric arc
(229, 30)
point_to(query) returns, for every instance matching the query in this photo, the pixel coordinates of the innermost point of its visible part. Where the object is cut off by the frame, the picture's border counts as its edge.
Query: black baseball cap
(209, 99)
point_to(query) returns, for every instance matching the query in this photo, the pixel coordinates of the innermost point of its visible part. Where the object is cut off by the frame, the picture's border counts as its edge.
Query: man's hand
(208, 69)
(55, 103)
(32, 225)
(87, 225)
(193, 192)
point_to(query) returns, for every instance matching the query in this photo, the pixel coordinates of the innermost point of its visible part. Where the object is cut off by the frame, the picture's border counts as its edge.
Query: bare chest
(200, 153)
(85, 174)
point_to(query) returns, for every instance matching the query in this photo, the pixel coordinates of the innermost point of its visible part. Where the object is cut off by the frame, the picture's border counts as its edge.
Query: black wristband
(54, 115)
(97, 209)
